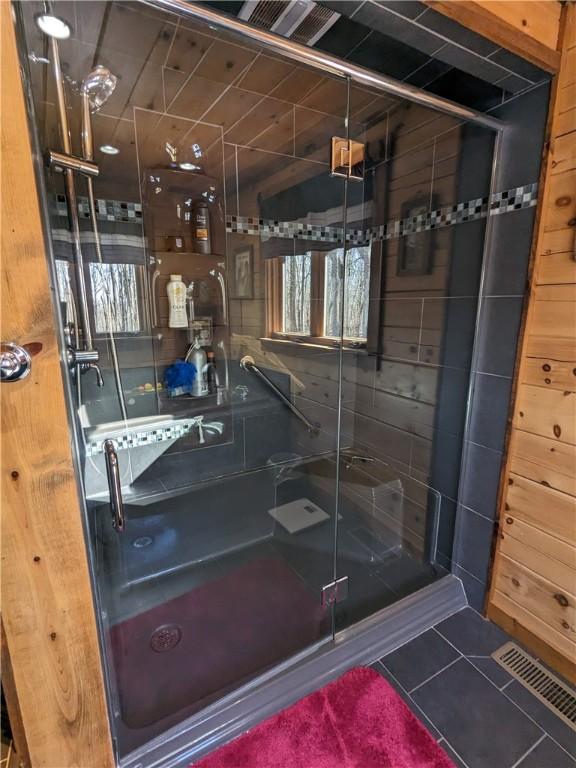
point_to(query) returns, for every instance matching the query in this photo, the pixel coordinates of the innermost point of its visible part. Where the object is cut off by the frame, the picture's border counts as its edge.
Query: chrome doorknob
(15, 362)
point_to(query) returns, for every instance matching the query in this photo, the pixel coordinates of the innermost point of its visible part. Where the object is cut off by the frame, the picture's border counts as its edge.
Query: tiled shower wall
(503, 296)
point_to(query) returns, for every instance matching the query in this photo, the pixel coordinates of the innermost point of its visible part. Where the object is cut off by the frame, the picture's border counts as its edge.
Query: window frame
(275, 313)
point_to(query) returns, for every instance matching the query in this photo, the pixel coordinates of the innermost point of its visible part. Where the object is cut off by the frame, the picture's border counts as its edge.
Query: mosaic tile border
(107, 210)
(138, 437)
(500, 202)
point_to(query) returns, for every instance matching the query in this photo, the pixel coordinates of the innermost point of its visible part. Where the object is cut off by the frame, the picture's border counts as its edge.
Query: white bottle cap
(175, 278)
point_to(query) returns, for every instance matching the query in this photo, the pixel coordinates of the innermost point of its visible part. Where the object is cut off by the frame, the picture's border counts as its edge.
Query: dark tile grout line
(450, 41)
(518, 763)
(425, 717)
(439, 672)
(401, 687)
(502, 691)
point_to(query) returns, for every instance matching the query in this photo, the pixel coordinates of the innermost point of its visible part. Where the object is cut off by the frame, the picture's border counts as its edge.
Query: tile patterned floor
(480, 715)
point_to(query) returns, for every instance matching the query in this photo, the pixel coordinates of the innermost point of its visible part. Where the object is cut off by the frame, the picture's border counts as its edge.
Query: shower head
(98, 86)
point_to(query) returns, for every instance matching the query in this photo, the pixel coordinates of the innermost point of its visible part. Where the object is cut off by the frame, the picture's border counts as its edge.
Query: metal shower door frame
(363, 76)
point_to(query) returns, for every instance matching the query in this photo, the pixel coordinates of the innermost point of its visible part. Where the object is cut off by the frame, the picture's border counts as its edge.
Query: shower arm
(247, 364)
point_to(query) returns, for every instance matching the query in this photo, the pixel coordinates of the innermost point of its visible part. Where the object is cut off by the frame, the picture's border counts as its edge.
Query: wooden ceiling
(187, 75)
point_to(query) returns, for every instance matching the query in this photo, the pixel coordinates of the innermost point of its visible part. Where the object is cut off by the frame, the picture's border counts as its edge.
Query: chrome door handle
(15, 362)
(115, 486)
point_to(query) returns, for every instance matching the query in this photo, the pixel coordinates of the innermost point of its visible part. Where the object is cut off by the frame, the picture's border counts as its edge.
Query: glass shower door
(214, 172)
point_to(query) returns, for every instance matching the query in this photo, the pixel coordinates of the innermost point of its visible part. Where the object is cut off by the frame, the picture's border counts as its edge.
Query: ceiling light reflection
(53, 26)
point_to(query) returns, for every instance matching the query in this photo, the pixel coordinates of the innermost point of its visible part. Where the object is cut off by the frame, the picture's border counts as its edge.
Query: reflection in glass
(115, 296)
(356, 281)
(297, 272)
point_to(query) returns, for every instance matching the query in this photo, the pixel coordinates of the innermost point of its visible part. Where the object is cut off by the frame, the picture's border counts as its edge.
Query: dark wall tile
(519, 66)
(457, 33)
(426, 74)
(266, 435)
(466, 260)
(384, 54)
(395, 26)
(451, 400)
(446, 527)
(344, 35)
(345, 7)
(475, 590)
(471, 63)
(411, 9)
(481, 479)
(467, 89)
(475, 162)
(513, 84)
(444, 470)
(509, 253)
(182, 468)
(459, 325)
(499, 327)
(523, 138)
(491, 400)
(473, 543)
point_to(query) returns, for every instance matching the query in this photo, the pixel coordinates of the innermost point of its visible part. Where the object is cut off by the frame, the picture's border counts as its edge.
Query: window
(356, 286)
(305, 295)
(296, 287)
(114, 297)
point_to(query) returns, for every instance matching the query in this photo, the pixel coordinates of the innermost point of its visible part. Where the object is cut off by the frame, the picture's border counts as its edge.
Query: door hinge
(347, 158)
(335, 592)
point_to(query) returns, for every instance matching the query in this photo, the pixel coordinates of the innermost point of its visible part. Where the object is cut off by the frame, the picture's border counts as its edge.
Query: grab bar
(247, 364)
(115, 485)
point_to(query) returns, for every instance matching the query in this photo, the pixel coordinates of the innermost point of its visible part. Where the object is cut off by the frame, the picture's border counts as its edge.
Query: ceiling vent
(302, 20)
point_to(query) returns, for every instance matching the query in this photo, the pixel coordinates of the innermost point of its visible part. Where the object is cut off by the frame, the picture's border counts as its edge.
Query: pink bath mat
(358, 721)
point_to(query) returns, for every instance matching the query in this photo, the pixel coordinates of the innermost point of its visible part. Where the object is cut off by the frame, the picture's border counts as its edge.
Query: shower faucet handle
(85, 360)
(95, 367)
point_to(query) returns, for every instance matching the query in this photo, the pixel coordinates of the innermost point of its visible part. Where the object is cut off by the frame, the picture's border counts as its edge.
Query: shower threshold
(304, 673)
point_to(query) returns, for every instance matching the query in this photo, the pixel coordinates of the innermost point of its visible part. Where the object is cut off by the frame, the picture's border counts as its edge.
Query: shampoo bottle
(201, 227)
(197, 356)
(176, 291)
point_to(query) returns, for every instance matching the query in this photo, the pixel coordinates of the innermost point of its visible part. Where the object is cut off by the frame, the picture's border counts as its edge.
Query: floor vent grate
(551, 691)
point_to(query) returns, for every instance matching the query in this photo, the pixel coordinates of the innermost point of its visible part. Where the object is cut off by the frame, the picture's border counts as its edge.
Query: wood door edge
(50, 642)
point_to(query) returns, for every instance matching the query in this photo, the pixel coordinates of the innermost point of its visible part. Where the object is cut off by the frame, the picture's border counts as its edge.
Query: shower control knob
(15, 362)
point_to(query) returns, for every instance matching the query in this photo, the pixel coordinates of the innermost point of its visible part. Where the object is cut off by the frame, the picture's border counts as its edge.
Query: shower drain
(551, 691)
(142, 541)
(165, 638)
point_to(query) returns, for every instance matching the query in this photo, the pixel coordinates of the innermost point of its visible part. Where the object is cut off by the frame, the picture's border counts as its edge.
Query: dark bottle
(201, 227)
(211, 373)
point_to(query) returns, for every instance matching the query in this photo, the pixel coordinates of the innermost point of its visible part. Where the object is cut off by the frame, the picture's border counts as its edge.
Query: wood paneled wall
(533, 592)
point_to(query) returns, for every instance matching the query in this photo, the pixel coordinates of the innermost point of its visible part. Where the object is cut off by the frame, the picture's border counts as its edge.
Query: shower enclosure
(329, 226)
